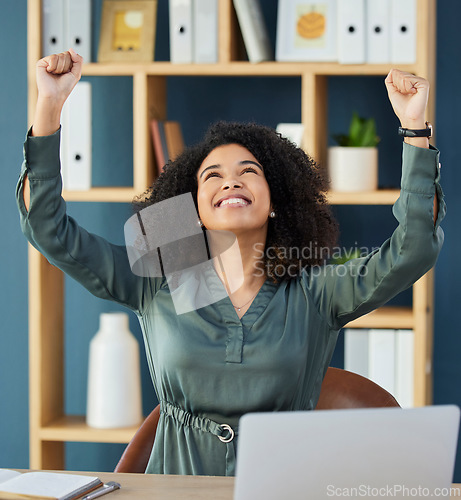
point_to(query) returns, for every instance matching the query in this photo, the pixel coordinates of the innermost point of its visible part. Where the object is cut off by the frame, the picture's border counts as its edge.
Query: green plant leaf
(355, 129)
(368, 134)
(362, 133)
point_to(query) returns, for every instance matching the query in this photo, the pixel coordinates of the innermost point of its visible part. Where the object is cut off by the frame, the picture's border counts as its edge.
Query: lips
(233, 201)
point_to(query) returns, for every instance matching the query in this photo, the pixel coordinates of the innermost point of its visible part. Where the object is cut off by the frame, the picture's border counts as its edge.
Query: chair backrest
(341, 389)
(138, 450)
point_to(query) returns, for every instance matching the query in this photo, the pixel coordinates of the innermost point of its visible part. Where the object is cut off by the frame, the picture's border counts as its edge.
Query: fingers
(64, 62)
(57, 63)
(77, 62)
(405, 83)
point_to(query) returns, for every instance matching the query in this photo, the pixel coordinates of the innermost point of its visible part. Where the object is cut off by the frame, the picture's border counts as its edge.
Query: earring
(272, 214)
(200, 223)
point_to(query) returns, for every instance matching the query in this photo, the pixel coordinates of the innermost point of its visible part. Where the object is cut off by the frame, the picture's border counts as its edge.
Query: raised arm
(57, 76)
(408, 94)
(346, 292)
(103, 268)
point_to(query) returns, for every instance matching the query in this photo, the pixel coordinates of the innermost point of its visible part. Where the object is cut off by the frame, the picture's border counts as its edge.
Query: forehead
(227, 153)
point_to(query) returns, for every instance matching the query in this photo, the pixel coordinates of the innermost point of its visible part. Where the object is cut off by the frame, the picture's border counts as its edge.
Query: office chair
(341, 389)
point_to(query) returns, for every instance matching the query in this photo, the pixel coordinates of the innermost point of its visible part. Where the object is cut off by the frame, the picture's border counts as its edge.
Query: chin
(236, 227)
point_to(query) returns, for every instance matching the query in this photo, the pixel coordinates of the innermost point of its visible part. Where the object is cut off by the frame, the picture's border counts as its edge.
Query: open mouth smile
(233, 201)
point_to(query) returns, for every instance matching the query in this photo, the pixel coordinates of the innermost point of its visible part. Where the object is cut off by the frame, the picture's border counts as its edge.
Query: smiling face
(233, 193)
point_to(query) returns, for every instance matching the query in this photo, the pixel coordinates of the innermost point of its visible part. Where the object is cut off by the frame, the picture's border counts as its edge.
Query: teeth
(234, 201)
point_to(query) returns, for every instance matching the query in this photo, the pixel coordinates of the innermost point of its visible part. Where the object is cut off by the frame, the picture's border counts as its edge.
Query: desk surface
(148, 486)
(163, 487)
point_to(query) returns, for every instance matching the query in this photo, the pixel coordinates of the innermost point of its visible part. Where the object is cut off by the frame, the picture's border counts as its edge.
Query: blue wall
(204, 99)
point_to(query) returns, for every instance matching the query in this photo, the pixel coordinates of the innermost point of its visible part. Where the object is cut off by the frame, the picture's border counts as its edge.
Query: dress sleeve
(345, 292)
(101, 267)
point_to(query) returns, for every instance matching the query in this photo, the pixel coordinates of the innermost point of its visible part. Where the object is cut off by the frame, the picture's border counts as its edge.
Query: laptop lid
(357, 453)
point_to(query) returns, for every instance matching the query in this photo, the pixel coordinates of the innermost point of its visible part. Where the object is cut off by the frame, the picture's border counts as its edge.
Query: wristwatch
(422, 132)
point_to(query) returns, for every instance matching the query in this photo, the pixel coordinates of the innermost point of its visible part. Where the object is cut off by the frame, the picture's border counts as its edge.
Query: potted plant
(353, 165)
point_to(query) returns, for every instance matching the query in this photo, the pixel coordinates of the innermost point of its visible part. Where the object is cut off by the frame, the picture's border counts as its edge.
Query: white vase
(114, 381)
(353, 169)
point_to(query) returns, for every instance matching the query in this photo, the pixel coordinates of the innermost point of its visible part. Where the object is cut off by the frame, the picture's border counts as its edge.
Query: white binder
(403, 34)
(78, 27)
(181, 25)
(351, 31)
(378, 31)
(356, 350)
(76, 139)
(66, 23)
(53, 37)
(381, 358)
(254, 31)
(205, 31)
(404, 365)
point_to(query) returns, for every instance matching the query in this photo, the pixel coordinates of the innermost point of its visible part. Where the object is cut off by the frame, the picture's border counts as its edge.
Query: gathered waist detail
(224, 432)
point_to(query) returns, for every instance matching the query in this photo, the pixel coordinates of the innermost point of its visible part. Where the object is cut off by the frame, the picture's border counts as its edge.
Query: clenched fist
(408, 95)
(58, 74)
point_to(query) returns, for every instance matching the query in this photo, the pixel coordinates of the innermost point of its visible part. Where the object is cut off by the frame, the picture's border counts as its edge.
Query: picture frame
(306, 31)
(127, 31)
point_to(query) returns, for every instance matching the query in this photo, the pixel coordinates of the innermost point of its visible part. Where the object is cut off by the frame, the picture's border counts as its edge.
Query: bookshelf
(50, 428)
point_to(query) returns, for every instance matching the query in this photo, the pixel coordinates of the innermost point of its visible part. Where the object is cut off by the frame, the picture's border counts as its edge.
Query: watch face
(429, 129)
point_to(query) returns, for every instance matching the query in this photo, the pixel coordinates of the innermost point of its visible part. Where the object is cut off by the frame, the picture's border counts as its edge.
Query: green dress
(208, 366)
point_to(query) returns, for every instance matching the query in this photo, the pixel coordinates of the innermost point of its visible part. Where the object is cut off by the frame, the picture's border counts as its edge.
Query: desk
(162, 487)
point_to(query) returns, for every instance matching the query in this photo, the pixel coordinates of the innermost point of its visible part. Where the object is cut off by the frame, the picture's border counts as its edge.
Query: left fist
(408, 95)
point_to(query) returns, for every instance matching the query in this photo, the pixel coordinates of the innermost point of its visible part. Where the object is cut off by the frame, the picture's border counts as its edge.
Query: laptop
(356, 453)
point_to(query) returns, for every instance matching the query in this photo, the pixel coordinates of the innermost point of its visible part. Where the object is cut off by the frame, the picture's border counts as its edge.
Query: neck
(241, 266)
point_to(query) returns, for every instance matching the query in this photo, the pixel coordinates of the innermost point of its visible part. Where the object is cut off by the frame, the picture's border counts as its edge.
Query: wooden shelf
(379, 197)
(74, 428)
(240, 68)
(126, 195)
(106, 194)
(398, 318)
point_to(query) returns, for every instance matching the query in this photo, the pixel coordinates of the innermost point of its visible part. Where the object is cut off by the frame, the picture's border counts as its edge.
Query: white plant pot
(353, 169)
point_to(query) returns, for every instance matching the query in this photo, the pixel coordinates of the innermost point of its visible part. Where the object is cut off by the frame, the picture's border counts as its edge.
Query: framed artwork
(306, 31)
(127, 31)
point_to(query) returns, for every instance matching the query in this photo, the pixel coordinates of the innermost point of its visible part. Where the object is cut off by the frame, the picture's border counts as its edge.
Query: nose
(231, 183)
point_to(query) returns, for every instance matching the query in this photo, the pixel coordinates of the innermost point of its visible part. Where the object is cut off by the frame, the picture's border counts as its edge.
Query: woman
(266, 345)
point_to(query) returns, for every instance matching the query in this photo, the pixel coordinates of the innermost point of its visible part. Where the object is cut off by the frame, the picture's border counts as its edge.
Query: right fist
(58, 74)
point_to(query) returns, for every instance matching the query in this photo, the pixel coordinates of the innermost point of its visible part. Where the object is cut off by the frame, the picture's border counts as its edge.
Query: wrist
(47, 117)
(418, 137)
(419, 142)
(50, 103)
(413, 124)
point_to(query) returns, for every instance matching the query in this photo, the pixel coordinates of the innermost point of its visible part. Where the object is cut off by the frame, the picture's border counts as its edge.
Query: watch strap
(423, 132)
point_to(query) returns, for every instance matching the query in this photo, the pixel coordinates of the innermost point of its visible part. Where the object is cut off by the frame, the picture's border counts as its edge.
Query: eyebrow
(243, 162)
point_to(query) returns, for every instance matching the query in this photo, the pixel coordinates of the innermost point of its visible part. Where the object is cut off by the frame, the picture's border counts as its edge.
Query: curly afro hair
(303, 230)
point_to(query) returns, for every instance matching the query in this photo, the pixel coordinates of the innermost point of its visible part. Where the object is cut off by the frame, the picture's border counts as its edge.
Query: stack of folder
(384, 356)
(66, 23)
(193, 31)
(377, 32)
